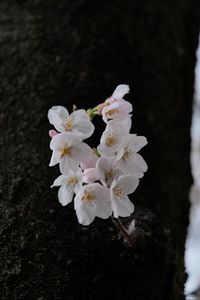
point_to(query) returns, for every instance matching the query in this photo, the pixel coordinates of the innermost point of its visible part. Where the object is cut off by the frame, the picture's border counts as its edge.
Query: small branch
(122, 229)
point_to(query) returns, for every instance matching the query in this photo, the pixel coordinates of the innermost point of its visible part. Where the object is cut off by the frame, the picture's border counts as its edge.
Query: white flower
(77, 122)
(69, 151)
(70, 184)
(120, 188)
(115, 107)
(130, 161)
(92, 201)
(107, 170)
(113, 139)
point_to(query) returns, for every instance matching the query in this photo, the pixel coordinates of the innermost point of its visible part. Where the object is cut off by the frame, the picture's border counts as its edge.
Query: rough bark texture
(65, 52)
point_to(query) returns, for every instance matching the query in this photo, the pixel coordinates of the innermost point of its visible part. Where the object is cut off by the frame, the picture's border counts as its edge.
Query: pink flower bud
(52, 133)
(90, 163)
(91, 175)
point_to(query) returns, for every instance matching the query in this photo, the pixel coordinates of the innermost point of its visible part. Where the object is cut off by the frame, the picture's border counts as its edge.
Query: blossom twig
(122, 229)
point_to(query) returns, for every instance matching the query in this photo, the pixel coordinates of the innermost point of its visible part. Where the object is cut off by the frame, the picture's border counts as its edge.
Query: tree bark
(76, 52)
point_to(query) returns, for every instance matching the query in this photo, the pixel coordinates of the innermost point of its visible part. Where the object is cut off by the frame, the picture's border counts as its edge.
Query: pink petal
(52, 133)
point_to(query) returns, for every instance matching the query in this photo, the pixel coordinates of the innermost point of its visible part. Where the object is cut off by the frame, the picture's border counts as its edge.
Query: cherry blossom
(115, 107)
(107, 170)
(101, 179)
(131, 162)
(77, 122)
(69, 151)
(120, 188)
(113, 139)
(92, 201)
(69, 184)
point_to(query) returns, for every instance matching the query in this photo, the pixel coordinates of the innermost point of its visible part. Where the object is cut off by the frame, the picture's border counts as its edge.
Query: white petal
(127, 183)
(140, 162)
(137, 142)
(120, 91)
(57, 116)
(129, 167)
(122, 208)
(55, 158)
(62, 139)
(104, 164)
(82, 124)
(65, 194)
(67, 165)
(85, 213)
(104, 209)
(127, 122)
(78, 187)
(105, 152)
(82, 152)
(104, 116)
(59, 180)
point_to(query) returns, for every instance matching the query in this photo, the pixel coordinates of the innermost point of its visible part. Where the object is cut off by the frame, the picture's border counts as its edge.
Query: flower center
(109, 174)
(111, 140)
(88, 196)
(65, 151)
(113, 111)
(119, 192)
(68, 124)
(72, 180)
(129, 153)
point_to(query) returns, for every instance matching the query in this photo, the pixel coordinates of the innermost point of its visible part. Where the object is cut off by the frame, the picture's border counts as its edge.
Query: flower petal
(85, 212)
(55, 158)
(127, 183)
(140, 162)
(67, 164)
(130, 167)
(136, 142)
(122, 208)
(57, 116)
(120, 91)
(62, 139)
(59, 180)
(65, 194)
(82, 152)
(82, 124)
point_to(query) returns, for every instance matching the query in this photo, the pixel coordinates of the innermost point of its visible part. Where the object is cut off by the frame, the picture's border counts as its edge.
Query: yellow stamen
(128, 153)
(111, 140)
(72, 180)
(109, 174)
(112, 112)
(119, 192)
(65, 151)
(68, 124)
(88, 197)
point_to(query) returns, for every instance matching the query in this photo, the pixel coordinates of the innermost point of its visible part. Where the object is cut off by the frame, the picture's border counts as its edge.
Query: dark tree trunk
(65, 52)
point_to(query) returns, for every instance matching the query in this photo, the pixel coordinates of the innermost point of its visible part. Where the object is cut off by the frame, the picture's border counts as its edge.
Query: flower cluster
(101, 179)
